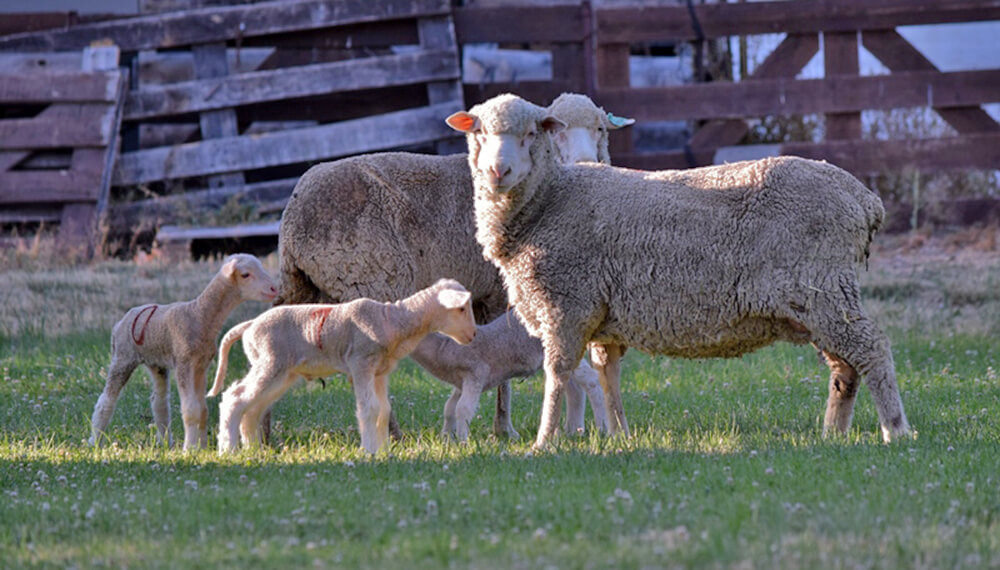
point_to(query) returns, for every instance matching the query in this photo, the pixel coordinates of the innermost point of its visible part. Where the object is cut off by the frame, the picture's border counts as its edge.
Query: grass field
(726, 467)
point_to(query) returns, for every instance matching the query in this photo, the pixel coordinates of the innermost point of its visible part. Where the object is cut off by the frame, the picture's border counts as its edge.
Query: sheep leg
(384, 409)
(366, 402)
(843, 391)
(119, 371)
(588, 379)
(394, 431)
(501, 421)
(250, 425)
(159, 401)
(502, 424)
(235, 401)
(465, 409)
(194, 410)
(842, 328)
(449, 414)
(606, 359)
(563, 350)
(576, 406)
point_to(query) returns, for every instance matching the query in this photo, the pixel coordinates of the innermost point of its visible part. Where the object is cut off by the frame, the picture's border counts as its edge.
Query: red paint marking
(321, 315)
(142, 331)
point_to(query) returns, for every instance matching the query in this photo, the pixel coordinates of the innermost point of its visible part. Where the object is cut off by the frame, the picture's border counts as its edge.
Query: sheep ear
(552, 125)
(229, 268)
(452, 299)
(463, 122)
(616, 122)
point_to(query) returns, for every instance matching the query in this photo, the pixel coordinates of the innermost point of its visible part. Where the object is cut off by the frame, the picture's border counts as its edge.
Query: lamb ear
(452, 299)
(552, 124)
(229, 267)
(616, 122)
(463, 122)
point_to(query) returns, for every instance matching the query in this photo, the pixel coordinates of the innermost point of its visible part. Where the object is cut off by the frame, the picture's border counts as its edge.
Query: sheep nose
(495, 171)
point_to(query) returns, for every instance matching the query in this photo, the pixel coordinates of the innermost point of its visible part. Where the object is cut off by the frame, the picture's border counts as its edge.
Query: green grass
(726, 469)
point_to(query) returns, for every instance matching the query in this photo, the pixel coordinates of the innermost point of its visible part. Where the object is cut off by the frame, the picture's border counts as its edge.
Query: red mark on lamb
(320, 315)
(148, 311)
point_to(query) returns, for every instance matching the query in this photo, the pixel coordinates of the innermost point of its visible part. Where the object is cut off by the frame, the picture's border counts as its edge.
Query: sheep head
(505, 134)
(250, 277)
(457, 320)
(585, 138)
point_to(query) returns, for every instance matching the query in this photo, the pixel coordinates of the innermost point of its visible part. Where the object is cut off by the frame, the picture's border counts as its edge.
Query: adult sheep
(385, 225)
(709, 262)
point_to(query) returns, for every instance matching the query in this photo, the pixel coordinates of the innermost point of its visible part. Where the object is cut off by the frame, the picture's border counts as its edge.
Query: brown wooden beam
(27, 186)
(290, 82)
(519, 24)
(666, 23)
(47, 87)
(792, 97)
(840, 58)
(206, 25)
(380, 132)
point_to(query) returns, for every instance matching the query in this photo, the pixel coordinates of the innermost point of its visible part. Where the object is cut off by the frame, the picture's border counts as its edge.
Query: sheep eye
(244, 275)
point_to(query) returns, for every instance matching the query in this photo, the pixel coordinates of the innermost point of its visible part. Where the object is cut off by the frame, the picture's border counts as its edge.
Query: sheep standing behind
(363, 338)
(180, 337)
(502, 350)
(385, 225)
(709, 262)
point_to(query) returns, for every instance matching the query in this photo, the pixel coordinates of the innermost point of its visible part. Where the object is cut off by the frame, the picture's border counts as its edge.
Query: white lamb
(364, 339)
(501, 351)
(708, 262)
(179, 336)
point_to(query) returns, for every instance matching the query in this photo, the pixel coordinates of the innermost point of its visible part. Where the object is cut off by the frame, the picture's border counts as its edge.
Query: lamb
(502, 350)
(179, 336)
(363, 338)
(411, 215)
(708, 262)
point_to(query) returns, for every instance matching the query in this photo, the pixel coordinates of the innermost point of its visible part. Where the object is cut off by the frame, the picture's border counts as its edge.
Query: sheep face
(457, 319)
(250, 277)
(502, 134)
(578, 144)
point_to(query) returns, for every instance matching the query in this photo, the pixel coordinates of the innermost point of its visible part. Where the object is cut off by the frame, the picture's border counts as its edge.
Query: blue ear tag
(619, 121)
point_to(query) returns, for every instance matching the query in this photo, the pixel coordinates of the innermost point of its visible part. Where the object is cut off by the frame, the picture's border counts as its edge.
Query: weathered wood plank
(88, 126)
(167, 234)
(863, 157)
(205, 25)
(33, 21)
(520, 24)
(19, 87)
(898, 54)
(25, 187)
(831, 95)
(980, 150)
(31, 215)
(110, 156)
(123, 217)
(27, 63)
(439, 33)
(381, 132)
(541, 92)
(662, 23)
(287, 83)
(210, 63)
(613, 73)
(840, 57)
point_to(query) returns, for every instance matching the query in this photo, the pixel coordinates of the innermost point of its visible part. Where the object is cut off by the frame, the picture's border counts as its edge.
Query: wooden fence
(314, 80)
(238, 100)
(58, 135)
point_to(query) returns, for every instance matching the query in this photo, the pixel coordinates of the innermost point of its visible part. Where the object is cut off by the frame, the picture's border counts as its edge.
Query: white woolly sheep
(384, 225)
(501, 351)
(180, 337)
(709, 262)
(363, 338)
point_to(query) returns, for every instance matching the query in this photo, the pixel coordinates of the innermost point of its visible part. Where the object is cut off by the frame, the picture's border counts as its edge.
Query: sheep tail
(230, 337)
